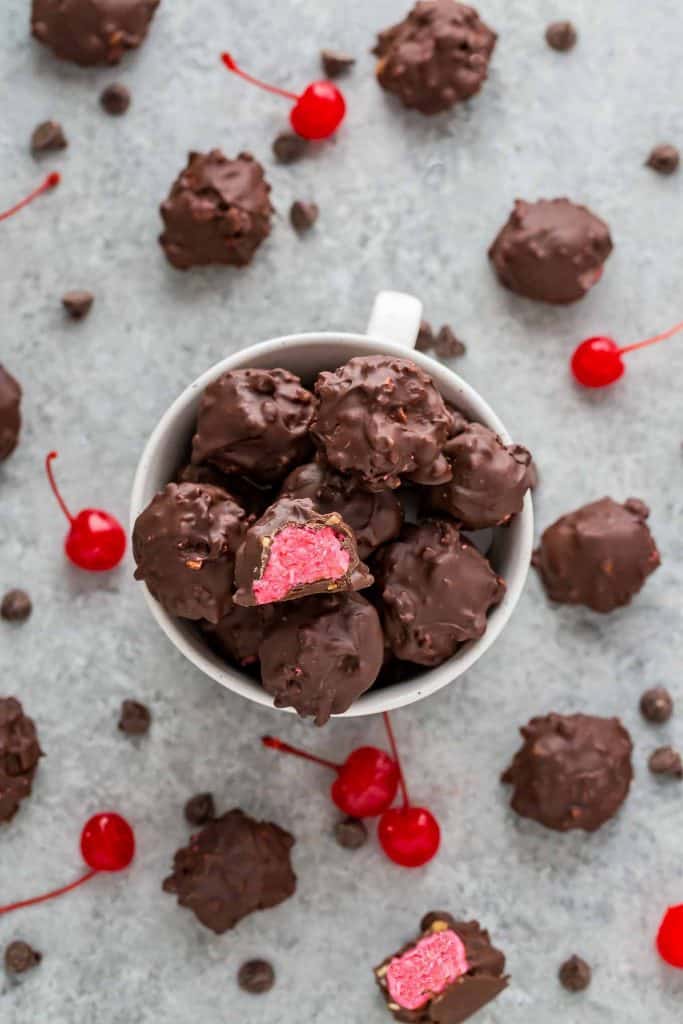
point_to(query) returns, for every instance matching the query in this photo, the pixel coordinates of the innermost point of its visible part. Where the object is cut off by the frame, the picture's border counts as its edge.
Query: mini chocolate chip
(561, 35)
(19, 957)
(48, 137)
(425, 337)
(16, 606)
(303, 215)
(335, 63)
(288, 147)
(664, 159)
(200, 809)
(135, 718)
(656, 705)
(256, 976)
(78, 303)
(350, 833)
(666, 761)
(575, 974)
(115, 99)
(436, 915)
(447, 345)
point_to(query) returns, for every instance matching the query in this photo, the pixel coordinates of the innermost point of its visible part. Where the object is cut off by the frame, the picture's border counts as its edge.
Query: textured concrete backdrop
(409, 203)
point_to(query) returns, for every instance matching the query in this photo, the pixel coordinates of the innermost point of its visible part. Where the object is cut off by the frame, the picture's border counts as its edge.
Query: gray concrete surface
(406, 203)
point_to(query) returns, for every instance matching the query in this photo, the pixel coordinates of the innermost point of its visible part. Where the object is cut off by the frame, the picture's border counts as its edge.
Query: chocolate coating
(234, 866)
(218, 211)
(572, 771)
(320, 654)
(489, 479)
(552, 250)
(10, 413)
(184, 544)
(254, 422)
(436, 591)
(375, 517)
(600, 555)
(436, 57)
(484, 980)
(19, 755)
(239, 633)
(91, 31)
(381, 419)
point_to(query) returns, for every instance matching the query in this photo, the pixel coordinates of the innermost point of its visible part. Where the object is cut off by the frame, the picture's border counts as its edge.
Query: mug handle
(395, 317)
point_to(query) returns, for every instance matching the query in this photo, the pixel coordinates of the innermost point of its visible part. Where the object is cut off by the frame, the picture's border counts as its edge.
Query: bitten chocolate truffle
(552, 250)
(10, 413)
(239, 633)
(436, 57)
(445, 976)
(572, 771)
(436, 591)
(218, 211)
(92, 31)
(489, 479)
(374, 516)
(184, 544)
(381, 418)
(321, 653)
(255, 422)
(234, 866)
(19, 755)
(600, 555)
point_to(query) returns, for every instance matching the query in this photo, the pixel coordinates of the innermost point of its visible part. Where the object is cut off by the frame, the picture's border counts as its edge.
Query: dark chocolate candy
(115, 99)
(351, 833)
(19, 755)
(289, 147)
(16, 606)
(239, 633)
(91, 31)
(256, 976)
(10, 413)
(200, 809)
(47, 138)
(575, 974)
(135, 718)
(78, 303)
(656, 705)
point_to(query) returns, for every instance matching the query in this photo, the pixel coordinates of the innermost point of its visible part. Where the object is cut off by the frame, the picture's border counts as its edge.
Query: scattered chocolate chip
(436, 915)
(335, 63)
(78, 303)
(561, 35)
(135, 718)
(350, 833)
(425, 337)
(666, 761)
(575, 974)
(288, 147)
(656, 705)
(664, 159)
(115, 99)
(446, 345)
(19, 957)
(16, 606)
(200, 809)
(48, 137)
(303, 215)
(256, 976)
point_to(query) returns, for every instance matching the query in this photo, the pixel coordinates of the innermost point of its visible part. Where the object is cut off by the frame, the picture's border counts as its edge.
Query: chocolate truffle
(573, 771)
(436, 591)
(374, 516)
(19, 754)
(255, 422)
(239, 633)
(321, 653)
(600, 555)
(489, 479)
(217, 211)
(91, 31)
(436, 57)
(381, 418)
(254, 498)
(184, 544)
(293, 551)
(10, 413)
(234, 866)
(445, 976)
(552, 250)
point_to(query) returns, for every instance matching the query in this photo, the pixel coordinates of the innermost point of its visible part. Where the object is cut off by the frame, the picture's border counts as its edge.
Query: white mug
(392, 330)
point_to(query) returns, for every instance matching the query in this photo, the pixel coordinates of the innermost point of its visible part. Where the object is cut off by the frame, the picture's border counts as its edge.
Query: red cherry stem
(231, 65)
(652, 341)
(49, 895)
(51, 181)
(275, 744)
(397, 759)
(53, 485)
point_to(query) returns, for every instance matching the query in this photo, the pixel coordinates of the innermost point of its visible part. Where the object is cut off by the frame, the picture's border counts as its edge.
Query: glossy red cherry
(670, 936)
(49, 183)
(317, 112)
(95, 541)
(597, 361)
(410, 836)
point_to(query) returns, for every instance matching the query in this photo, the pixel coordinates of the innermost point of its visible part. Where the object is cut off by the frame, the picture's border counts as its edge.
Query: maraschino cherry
(107, 844)
(598, 361)
(317, 112)
(49, 183)
(95, 541)
(670, 936)
(366, 782)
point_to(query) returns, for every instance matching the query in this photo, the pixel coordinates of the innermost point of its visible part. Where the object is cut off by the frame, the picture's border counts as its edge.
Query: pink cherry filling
(426, 969)
(300, 555)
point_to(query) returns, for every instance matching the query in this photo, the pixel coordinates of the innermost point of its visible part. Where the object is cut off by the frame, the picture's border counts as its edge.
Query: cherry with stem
(597, 362)
(50, 182)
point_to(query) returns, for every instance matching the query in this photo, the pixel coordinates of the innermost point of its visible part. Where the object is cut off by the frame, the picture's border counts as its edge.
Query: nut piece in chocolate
(436, 57)
(234, 866)
(10, 413)
(91, 32)
(19, 755)
(572, 771)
